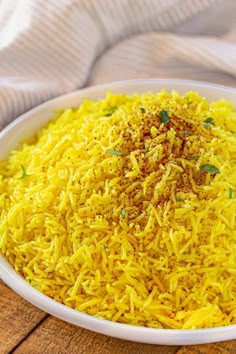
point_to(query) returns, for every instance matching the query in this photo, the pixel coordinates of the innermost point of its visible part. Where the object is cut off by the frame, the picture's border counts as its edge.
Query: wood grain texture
(17, 318)
(228, 347)
(54, 336)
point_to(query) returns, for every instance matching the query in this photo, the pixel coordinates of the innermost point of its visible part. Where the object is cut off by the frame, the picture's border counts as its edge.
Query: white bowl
(32, 121)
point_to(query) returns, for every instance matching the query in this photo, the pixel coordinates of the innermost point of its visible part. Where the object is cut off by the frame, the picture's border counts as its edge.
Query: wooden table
(26, 330)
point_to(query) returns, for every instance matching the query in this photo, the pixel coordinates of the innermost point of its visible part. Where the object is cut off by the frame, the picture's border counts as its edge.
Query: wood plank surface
(57, 337)
(228, 347)
(17, 318)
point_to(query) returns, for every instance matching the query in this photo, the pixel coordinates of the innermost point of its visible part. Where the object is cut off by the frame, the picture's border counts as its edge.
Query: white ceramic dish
(32, 121)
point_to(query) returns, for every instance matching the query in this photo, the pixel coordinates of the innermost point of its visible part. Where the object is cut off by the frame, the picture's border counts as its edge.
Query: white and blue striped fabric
(51, 47)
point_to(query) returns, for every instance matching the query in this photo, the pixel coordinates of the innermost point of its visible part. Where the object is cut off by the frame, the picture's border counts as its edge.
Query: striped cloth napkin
(48, 48)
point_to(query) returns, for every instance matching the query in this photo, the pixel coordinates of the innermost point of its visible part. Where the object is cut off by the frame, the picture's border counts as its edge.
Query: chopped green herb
(179, 200)
(164, 116)
(210, 169)
(29, 280)
(231, 131)
(123, 213)
(24, 173)
(35, 285)
(231, 193)
(142, 110)
(192, 157)
(185, 132)
(110, 110)
(106, 248)
(188, 101)
(114, 152)
(209, 120)
(148, 149)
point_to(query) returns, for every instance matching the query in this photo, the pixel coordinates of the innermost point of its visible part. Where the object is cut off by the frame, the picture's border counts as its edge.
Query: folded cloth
(48, 48)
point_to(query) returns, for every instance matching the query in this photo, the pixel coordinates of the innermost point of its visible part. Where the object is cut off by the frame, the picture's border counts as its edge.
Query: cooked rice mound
(125, 209)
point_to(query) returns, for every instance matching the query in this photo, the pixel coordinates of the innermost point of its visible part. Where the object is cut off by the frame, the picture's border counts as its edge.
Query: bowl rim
(103, 326)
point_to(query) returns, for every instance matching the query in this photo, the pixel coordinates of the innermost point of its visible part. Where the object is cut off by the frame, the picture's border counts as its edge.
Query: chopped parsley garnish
(231, 193)
(185, 132)
(148, 149)
(106, 248)
(192, 157)
(114, 152)
(142, 110)
(109, 111)
(29, 280)
(123, 213)
(179, 200)
(208, 122)
(24, 173)
(188, 101)
(210, 169)
(164, 116)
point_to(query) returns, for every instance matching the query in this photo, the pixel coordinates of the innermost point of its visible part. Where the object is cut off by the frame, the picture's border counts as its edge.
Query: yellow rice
(116, 216)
